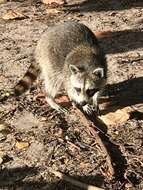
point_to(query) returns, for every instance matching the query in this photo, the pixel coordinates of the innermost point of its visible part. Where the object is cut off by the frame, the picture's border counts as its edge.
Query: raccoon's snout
(83, 103)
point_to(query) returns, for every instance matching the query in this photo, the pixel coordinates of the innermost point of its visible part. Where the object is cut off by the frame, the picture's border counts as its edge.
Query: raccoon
(69, 56)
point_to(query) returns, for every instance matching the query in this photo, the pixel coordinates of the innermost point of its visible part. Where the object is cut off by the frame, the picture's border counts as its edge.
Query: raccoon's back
(61, 39)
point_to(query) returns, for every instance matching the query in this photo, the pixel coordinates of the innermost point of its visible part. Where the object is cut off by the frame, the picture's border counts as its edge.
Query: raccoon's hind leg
(50, 100)
(52, 88)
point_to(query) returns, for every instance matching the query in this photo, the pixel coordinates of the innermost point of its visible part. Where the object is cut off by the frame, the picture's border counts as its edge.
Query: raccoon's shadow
(100, 5)
(126, 93)
(15, 179)
(122, 41)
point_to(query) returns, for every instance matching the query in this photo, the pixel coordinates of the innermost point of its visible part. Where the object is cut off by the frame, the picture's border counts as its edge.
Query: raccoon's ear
(99, 72)
(73, 69)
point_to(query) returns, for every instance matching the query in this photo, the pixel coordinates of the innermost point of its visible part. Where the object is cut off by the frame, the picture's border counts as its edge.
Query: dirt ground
(34, 138)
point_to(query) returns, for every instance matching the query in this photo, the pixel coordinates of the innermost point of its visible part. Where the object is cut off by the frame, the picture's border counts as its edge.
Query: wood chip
(117, 117)
(11, 15)
(53, 11)
(58, 2)
(22, 145)
(2, 127)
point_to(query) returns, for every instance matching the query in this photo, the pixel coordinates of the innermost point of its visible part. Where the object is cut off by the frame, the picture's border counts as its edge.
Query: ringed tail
(25, 83)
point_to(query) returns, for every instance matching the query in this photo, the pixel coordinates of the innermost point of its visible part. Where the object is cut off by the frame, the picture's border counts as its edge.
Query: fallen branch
(74, 182)
(91, 130)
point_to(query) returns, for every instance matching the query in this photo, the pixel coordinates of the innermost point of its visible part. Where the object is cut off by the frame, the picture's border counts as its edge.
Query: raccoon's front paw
(89, 109)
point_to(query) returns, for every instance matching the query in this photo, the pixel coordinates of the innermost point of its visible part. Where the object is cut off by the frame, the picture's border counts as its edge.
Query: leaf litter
(61, 142)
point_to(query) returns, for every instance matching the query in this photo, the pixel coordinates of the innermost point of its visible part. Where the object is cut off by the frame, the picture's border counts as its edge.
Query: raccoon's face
(85, 84)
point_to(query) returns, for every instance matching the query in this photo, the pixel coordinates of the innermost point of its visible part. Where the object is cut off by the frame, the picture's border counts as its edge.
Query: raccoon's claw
(88, 109)
(60, 109)
(56, 106)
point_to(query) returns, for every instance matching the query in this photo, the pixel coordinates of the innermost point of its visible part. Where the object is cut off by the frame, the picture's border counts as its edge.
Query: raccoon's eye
(78, 89)
(91, 92)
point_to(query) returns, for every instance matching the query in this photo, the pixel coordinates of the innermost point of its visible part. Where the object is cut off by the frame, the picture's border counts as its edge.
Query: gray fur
(68, 55)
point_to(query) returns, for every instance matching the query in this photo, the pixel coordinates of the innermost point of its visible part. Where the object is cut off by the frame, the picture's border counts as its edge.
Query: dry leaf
(2, 127)
(84, 165)
(22, 145)
(3, 1)
(117, 117)
(11, 14)
(62, 99)
(43, 119)
(49, 2)
(103, 34)
(53, 11)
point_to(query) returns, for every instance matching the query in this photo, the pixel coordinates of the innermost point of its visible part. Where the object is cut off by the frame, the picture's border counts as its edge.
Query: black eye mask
(91, 92)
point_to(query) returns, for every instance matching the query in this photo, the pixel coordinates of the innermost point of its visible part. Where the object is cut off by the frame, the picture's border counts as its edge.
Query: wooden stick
(74, 182)
(92, 131)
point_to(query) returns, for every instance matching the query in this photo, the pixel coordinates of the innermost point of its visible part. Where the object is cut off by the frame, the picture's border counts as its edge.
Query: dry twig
(74, 182)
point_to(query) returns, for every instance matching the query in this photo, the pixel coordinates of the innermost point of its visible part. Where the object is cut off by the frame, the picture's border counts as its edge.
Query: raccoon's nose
(83, 103)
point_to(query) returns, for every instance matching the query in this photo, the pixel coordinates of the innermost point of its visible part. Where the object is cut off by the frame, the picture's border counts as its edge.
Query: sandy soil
(61, 142)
